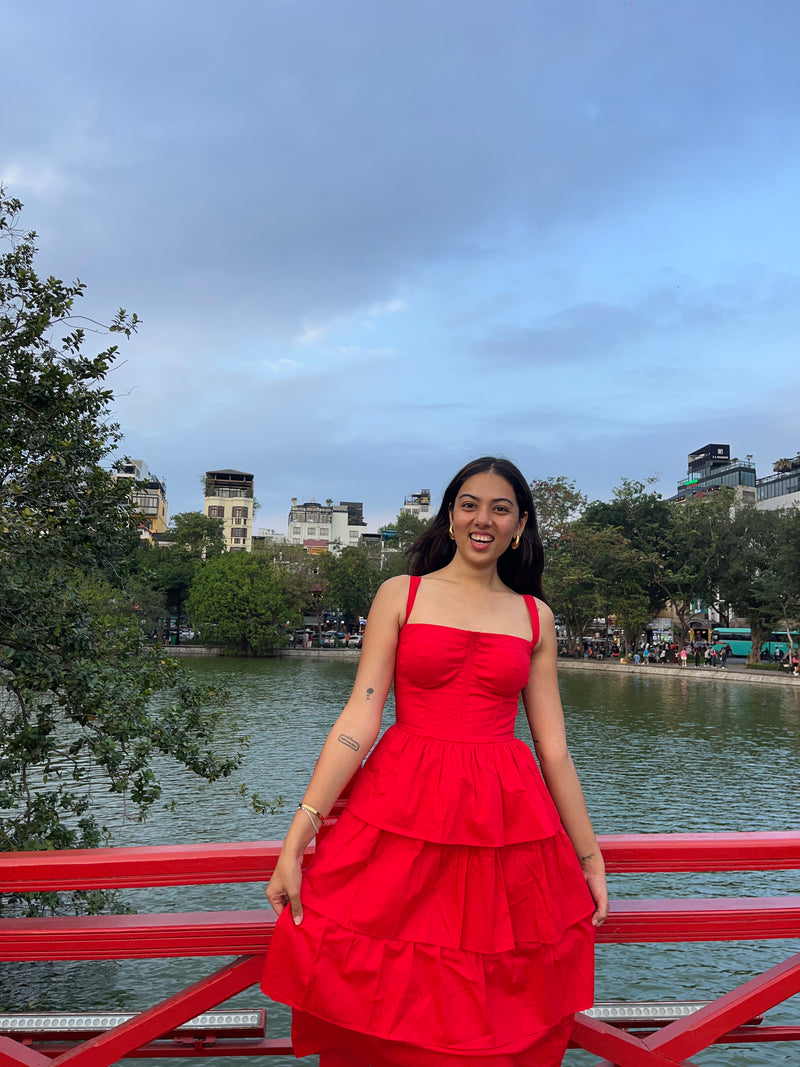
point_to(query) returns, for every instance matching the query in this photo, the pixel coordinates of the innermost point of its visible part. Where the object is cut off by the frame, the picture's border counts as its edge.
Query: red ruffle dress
(446, 921)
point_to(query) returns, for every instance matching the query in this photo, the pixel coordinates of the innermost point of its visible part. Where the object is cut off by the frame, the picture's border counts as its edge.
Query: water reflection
(654, 754)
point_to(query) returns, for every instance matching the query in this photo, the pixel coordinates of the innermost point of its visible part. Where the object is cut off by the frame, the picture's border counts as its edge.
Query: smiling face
(485, 517)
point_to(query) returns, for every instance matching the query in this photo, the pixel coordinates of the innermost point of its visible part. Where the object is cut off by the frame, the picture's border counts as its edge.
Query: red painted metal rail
(246, 934)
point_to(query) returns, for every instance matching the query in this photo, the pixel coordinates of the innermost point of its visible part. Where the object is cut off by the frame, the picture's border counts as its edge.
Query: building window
(216, 512)
(312, 531)
(238, 532)
(296, 530)
(324, 531)
(239, 513)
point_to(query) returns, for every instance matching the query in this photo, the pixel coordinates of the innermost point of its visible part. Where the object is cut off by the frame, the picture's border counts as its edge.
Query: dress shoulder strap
(534, 610)
(413, 586)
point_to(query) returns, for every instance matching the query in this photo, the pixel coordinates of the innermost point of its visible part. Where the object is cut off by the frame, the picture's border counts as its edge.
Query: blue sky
(369, 241)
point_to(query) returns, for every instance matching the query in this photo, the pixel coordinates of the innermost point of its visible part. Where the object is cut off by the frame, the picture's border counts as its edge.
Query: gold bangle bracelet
(311, 811)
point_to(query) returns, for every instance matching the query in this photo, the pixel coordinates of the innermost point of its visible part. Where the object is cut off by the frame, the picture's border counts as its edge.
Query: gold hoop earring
(450, 533)
(515, 542)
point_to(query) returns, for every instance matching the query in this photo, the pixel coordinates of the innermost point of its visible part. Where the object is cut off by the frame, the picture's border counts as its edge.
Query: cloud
(575, 335)
(687, 315)
(370, 241)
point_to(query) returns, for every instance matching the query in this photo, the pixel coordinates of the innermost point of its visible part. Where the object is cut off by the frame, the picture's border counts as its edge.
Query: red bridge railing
(245, 935)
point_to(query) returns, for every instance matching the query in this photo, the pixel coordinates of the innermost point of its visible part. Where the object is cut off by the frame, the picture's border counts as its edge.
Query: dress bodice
(456, 702)
(459, 685)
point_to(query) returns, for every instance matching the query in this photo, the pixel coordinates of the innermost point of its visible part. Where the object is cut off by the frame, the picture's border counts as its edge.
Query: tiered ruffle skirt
(446, 919)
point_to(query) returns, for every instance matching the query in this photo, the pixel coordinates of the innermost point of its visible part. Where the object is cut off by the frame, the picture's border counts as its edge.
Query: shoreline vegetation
(738, 672)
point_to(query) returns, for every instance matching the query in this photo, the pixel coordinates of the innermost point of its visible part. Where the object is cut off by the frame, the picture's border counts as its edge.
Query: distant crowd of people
(698, 653)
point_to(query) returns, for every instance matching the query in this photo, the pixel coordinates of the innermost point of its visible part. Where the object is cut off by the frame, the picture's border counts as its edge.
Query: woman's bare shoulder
(397, 586)
(392, 594)
(545, 613)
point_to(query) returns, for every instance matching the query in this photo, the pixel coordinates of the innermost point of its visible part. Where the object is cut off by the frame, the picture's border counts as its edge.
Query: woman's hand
(284, 887)
(596, 882)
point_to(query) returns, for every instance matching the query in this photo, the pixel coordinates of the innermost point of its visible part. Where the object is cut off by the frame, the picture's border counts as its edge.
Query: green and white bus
(740, 640)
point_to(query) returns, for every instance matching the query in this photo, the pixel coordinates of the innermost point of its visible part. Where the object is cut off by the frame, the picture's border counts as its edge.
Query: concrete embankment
(280, 653)
(192, 650)
(318, 653)
(737, 672)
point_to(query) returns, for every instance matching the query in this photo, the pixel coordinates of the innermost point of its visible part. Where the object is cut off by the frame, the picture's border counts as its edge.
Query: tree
(236, 600)
(400, 535)
(787, 571)
(558, 503)
(408, 527)
(760, 577)
(405, 529)
(697, 543)
(644, 519)
(353, 581)
(299, 574)
(592, 573)
(200, 535)
(78, 687)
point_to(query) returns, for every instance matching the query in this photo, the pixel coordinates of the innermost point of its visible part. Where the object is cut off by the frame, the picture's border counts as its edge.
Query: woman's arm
(349, 741)
(546, 718)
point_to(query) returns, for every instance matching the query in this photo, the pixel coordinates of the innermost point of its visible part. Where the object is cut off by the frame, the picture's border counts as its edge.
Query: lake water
(654, 754)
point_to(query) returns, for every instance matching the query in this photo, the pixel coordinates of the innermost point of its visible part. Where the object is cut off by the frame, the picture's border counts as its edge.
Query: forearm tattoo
(369, 694)
(584, 858)
(349, 741)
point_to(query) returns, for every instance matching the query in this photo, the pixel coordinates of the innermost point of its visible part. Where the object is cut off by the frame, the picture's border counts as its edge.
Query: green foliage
(761, 574)
(408, 528)
(697, 543)
(198, 534)
(237, 601)
(85, 706)
(301, 576)
(352, 582)
(558, 503)
(592, 573)
(644, 519)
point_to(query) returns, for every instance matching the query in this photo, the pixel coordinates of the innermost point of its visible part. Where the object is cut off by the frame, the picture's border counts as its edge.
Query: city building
(711, 467)
(326, 527)
(229, 496)
(418, 504)
(149, 497)
(781, 489)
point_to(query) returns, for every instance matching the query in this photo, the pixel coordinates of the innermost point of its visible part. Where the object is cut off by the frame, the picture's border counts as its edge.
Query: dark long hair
(521, 568)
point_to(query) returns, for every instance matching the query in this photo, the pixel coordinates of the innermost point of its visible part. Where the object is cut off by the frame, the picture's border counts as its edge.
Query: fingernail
(298, 919)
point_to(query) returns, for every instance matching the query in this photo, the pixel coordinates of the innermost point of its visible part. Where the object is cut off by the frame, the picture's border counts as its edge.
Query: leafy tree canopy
(644, 520)
(79, 690)
(761, 574)
(198, 534)
(237, 601)
(558, 503)
(352, 582)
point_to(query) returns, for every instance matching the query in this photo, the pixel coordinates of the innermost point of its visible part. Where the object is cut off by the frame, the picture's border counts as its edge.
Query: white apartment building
(418, 504)
(229, 496)
(325, 527)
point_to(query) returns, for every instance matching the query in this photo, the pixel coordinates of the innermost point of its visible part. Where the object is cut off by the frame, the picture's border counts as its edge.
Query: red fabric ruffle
(484, 899)
(486, 793)
(544, 1048)
(448, 999)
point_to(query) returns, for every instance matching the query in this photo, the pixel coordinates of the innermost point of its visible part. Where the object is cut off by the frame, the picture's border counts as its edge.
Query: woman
(447, 919)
